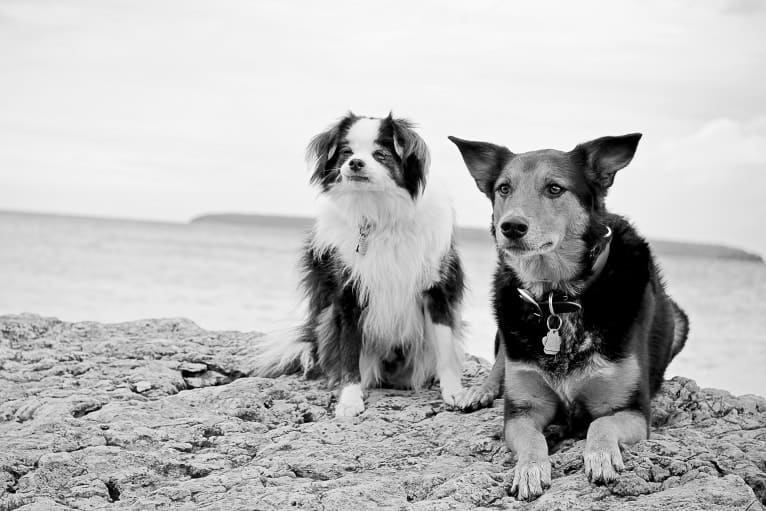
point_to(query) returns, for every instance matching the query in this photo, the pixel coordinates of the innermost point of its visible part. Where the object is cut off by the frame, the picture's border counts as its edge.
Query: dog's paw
(531, 478)
(603, 461)
(477, 397)
(350, 402)
(349, 409)
(452, 395)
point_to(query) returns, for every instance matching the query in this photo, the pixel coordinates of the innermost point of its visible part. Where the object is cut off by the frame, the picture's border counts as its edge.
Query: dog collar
(559, 303)
(599, 255)
(551, 306)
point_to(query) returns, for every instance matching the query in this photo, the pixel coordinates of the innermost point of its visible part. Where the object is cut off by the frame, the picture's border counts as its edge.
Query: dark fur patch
(327, 283)
(411, 169)
(444, 297)
(485, 160)
(323, 148)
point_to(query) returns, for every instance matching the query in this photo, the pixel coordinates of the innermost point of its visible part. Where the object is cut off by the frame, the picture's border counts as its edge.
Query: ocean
(243, 277)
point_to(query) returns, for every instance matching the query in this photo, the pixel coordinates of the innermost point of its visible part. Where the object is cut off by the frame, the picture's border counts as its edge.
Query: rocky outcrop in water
(158, 414)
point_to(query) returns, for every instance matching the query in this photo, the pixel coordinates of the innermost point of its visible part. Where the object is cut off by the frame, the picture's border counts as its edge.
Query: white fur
(350, 401)
(361, 139)
(568, 388)
(404, 250)
(276, 352)
(449, 360)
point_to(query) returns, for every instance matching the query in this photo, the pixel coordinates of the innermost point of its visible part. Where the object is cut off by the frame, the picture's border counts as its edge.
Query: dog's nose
(514, 228)
(356, 164)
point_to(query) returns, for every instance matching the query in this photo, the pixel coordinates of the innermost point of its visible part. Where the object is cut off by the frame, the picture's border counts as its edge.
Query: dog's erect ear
(413, 152)
(606, 155)
(485, 161)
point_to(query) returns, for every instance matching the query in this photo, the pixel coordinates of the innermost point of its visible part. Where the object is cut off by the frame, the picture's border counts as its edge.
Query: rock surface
(157, 414)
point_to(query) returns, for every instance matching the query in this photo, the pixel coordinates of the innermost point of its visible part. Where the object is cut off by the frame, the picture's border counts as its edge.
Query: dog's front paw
(531, 478)
(452, 394)
(349, 409)
(350, 402)
(479, 396)
(603, 461)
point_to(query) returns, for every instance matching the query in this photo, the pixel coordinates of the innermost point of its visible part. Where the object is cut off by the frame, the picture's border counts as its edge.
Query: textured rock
(157, 415)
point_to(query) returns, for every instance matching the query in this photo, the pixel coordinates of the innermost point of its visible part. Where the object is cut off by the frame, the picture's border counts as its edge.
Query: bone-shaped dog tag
(364, 232)
(551, 342)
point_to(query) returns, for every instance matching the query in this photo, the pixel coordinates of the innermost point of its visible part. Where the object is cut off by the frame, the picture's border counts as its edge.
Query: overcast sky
(165, 110)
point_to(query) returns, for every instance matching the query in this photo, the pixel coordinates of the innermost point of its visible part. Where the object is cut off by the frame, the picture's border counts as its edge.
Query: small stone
(659, 474)
(143, 386)
(671, 482)
(678, 468)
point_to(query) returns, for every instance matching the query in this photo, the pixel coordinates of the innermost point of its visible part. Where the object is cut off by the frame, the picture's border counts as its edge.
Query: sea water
(231, 277)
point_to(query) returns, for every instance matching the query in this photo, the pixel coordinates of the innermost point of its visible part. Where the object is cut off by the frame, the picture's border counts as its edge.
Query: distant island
(660, 247)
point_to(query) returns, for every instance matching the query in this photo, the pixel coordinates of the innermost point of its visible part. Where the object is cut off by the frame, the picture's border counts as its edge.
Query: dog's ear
(320, 152)
(604, 156)
(413, 152)
(485, 161)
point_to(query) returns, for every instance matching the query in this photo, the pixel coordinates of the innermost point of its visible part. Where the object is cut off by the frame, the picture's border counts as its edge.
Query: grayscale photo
(428, 255)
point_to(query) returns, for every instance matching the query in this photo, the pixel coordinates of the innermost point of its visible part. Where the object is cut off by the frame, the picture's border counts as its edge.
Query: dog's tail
(286, 351)
(681, 331)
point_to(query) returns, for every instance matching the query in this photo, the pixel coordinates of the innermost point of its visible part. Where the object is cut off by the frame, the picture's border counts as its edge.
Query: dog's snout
(356, 164)
(514, 228)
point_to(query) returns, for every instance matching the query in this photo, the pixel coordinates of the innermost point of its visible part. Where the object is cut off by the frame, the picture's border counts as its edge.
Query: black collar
(558, 302)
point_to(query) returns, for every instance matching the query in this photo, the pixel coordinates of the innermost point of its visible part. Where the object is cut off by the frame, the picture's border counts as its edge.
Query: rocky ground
(157, 414)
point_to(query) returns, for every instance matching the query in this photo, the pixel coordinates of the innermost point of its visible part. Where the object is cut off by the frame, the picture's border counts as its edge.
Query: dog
(382, 277)
(585, 328)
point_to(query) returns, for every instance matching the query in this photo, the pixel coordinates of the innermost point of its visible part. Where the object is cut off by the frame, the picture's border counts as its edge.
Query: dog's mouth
(358, 179)
(522, 249)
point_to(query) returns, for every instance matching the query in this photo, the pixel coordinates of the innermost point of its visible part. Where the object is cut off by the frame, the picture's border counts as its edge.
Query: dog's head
(546, 201)
(368, 154)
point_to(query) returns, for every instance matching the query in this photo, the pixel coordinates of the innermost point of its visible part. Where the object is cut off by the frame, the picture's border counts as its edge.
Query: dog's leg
(449, 358)
(530, 405)
(484, 395)
(602, 457)
(351, 396)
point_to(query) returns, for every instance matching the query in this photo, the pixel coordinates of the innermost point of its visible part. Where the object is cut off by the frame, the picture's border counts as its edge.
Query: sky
(168, 109)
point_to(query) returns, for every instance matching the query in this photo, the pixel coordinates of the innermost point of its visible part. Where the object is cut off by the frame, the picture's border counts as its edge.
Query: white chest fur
(402, 253)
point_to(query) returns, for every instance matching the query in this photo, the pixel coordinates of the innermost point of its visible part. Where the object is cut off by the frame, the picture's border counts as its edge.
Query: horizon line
(189, 221)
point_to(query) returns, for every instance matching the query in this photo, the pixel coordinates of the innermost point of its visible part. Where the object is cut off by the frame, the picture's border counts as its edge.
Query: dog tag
(361, 247)
(552, 340)
(364, 232)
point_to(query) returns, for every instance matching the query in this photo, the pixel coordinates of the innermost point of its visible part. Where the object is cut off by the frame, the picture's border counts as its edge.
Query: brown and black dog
(585, 328)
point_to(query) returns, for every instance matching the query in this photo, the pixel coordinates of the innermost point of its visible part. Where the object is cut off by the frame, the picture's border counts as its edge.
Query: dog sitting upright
(585, 328)
(381, 274)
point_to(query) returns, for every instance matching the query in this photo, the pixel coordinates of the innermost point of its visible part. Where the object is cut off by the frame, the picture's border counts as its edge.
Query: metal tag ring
(557, 319)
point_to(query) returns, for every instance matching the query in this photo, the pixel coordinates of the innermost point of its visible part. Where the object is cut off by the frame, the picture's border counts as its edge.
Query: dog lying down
(585, 328)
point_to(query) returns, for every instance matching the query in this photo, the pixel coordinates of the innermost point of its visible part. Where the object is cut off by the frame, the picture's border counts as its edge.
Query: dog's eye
(379, 155)
(555, 190)
(346, 151)
(504, 189)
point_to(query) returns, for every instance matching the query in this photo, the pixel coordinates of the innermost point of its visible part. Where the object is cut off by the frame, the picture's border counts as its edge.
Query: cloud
(704, 185)
(741, 7)
(720, 148)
